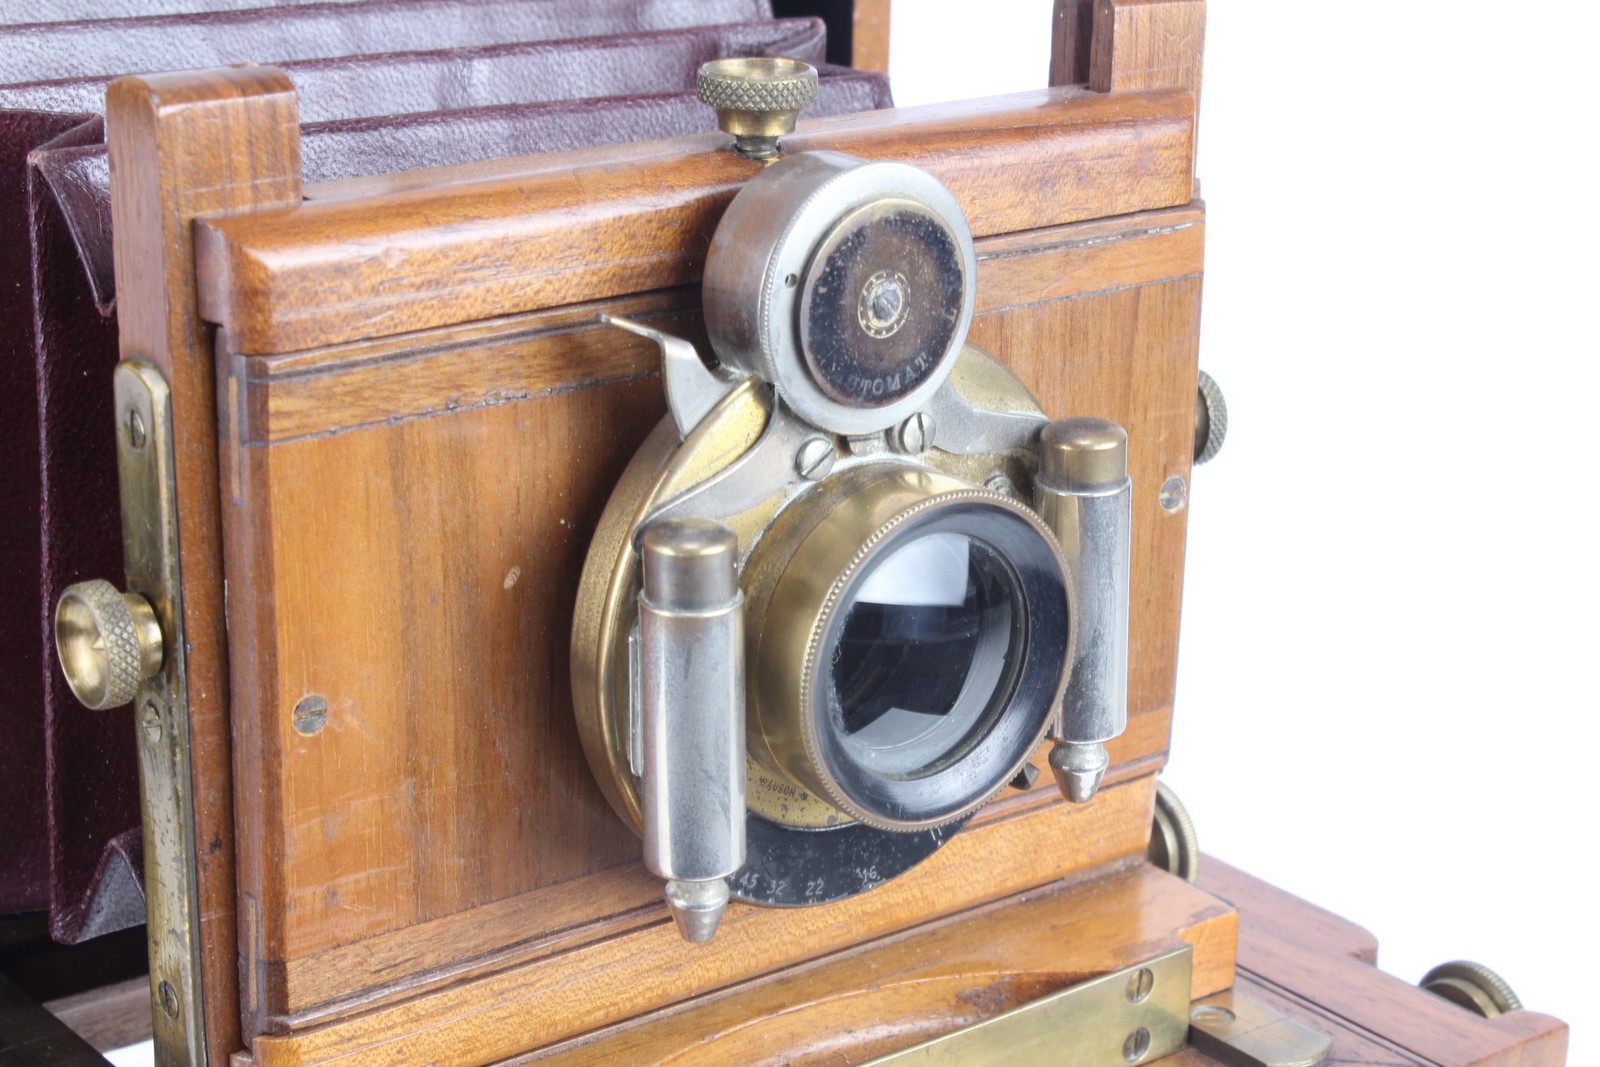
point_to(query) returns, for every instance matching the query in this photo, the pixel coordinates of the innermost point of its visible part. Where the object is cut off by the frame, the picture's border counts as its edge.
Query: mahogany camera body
(404, 517)
(396, 420)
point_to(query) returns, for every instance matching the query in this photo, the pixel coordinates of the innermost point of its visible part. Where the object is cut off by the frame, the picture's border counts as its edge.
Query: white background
(1385, 694)
(1385, 691)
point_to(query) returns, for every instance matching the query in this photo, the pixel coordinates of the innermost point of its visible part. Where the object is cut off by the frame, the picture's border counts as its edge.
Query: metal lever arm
(692, 387)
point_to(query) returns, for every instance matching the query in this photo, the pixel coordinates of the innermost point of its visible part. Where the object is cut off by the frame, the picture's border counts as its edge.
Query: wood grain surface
(346, 387)
(343, 269)
(407, 517)
(1147, 44)
(110, 1017)
(1072, 36)
(993, 860)
(419, 421)
(619, 977)
(1313, 966)
(185, 146)
(933, 980)
(869, 34)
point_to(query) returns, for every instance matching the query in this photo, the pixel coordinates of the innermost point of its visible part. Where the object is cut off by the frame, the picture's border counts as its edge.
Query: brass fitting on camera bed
(121, 647)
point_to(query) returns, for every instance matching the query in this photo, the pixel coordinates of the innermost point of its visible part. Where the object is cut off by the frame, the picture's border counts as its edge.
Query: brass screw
(136, 434)
(1174, 494)
(108, 642)
(915, 434)
(310, 715)
(815, 459)
(1141, 984)
(1472, 986)
(1136, 1046)
(1210, 419)
(999, 483)
(151, 721)
(169, 999)
(1174, 845)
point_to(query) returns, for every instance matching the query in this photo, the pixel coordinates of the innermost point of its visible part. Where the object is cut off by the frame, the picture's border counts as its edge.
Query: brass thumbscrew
(757, 100)
(108, 641)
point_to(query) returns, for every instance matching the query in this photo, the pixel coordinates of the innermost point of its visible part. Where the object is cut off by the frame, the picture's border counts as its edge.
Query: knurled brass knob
(1472, 986)
(1174, 846)
(1210, 420)
(108, 642)
(757, 99)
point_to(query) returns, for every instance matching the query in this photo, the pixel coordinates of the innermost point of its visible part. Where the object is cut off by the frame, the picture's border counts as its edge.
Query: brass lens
(911, 644)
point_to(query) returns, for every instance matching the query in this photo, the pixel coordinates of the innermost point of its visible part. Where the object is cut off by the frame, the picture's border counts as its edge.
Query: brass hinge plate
(1240, 1032)
(1132, 1016)
(161, 708)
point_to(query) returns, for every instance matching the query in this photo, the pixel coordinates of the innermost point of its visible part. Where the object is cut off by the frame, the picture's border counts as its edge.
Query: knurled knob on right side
(1210, 420)
(757, 99)
(1472, 986)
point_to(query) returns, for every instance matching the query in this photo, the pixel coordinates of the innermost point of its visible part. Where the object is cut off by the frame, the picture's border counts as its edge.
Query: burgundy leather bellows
(383, 87)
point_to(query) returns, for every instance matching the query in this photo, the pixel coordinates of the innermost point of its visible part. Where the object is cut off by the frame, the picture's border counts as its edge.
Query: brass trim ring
(822, 561)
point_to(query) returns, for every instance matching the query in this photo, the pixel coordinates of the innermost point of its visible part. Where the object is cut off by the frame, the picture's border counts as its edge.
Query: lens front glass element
(928, 655)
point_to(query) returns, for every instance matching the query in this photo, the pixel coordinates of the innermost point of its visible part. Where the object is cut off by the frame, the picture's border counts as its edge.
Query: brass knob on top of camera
(757, 99)
(108, 642)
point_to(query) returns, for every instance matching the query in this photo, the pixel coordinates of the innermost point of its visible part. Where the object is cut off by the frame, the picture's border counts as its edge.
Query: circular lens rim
(1017, 729)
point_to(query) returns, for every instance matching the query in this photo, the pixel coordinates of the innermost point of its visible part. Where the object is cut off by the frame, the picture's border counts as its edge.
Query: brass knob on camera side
(757, 99)
(108, 642)
(1471, 986)
(1174, 845)
(1210, 420)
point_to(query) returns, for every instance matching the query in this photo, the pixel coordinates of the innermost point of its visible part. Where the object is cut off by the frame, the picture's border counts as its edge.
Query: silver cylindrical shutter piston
(1084, 494)
(692, 714)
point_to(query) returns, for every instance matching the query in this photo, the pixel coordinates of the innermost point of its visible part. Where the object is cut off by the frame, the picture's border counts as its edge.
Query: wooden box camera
(540, 552)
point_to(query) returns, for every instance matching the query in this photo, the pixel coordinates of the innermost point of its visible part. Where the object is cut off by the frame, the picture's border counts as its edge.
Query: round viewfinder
(881, 303)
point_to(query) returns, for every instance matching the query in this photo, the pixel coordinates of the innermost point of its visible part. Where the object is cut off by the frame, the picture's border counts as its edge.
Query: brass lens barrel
(814, 717)
(1084, 493)
(691, 697)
